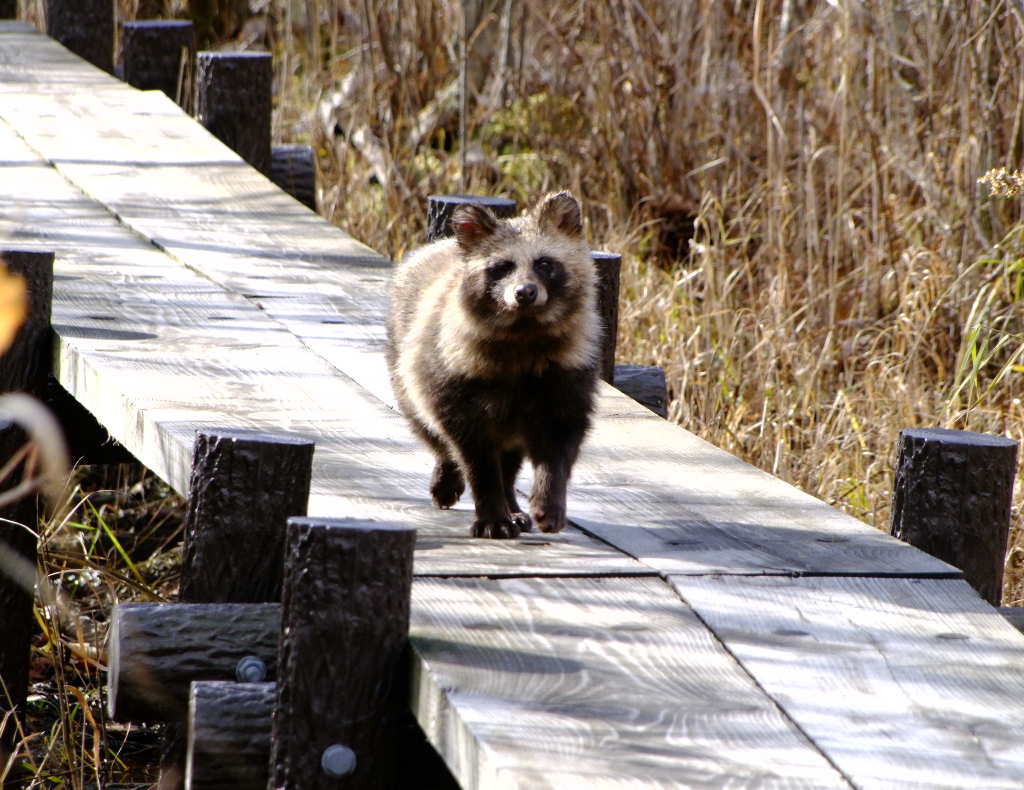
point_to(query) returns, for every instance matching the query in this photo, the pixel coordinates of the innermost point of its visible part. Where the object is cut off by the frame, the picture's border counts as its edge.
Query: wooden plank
(681, 505)
(527, 683)
(156, 352)
(653, 490)
(901, 683)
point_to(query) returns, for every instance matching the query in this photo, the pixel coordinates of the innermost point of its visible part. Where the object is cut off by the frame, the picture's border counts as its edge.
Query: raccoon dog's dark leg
(552, 463)
(511, 461)
(446, 483)
(482, 465)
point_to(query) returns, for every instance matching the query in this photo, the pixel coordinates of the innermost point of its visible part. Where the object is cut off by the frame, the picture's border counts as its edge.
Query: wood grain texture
(528, 683)
(902, 682)
(681, 505)
(952, 493)
(244, 487)
(609, 268)
(86, 27)
(190, 294)
(344, 631)
(152, 51)
(441, 207)
(650, 489)
(228, 745)
(233, 101)
(156, 650)
(156, 352)
(645, 384)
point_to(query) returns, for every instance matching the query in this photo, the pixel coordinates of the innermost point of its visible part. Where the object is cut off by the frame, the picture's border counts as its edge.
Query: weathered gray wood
(201, 357)
(156, 650)
(344, 629)
(293, 168)
(440, 208)
(545, 683)
(609, 269)
(233, 101)
(642, 483)
(153, 53)
(628, 487)
(645, 384)
(901, 682)
(229, 735)
(87, 441)
(24, 367)
(1014, 615)
(951, 497)
(86, 27)
(681, 505)
(244, 487)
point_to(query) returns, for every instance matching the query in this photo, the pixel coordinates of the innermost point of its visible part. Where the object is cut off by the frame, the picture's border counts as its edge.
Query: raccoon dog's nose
(526, 294)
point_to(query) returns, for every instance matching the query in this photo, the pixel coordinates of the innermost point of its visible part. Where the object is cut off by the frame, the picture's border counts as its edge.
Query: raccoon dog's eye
(545, 267)
(498, 269)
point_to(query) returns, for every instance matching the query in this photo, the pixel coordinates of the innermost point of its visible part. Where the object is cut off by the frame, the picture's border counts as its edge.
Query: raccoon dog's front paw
(501, 529)
(521, 520)
(446, 484)
(550, 518)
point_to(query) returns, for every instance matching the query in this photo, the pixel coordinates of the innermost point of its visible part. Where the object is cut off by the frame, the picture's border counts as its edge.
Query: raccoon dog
(493, 339)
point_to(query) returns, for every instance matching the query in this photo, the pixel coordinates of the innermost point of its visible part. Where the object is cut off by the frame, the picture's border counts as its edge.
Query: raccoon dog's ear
(472, 223)
(560, 212)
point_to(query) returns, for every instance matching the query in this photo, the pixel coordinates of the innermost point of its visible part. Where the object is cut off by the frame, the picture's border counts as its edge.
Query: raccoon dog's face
(527, 272)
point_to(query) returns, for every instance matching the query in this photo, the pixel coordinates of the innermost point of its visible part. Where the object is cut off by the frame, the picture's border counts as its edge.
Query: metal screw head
(338, 760)
(251, 670)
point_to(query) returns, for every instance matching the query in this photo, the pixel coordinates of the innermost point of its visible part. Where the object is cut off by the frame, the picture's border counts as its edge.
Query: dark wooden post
(153, 51)
(440, 208)
(229, 735)
(951, 498)
(293, 168)
(344, 629)
(645, 384)
(243, 488)
(157, 650)
(233, 101)
(86, 27)
(609, 267)
(24, 367)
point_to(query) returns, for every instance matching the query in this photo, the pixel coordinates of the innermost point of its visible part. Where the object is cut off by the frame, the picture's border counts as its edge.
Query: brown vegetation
(793, 184)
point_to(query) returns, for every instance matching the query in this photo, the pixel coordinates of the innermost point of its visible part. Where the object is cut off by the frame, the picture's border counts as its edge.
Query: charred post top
(244, 487)
(951, 498)
(440, 208)
(233, 101)
(609, 269)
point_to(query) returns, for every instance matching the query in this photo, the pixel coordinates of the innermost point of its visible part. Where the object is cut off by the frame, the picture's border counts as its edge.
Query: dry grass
(793, 184)
(118, 539)
(794, 187)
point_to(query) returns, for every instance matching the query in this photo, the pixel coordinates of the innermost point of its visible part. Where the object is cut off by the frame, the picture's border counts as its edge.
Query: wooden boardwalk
(702, 625)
